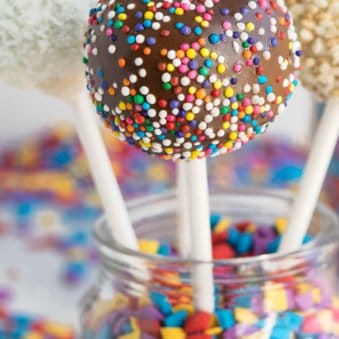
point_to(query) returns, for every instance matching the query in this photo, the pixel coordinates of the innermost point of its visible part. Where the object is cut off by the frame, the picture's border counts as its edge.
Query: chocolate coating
(189, 79)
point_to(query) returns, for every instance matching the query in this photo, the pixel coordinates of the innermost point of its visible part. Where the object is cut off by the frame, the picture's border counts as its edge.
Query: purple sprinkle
(149, 312)
(304, 301)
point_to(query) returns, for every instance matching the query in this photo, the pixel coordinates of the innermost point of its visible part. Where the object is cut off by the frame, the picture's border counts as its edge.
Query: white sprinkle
(144, 90)
(187, 106)
(241, 26)
(255, 88)
(156, 26)
(188, 145)
(130, 6)
(152, 113)
(98, 97)
(185, 81)
(261, 31)
(142, 73)
(208, 118)
(166, 142)
(166, 77)
(171, 54)
(151, 99)
(220, 133)
(181, 97)
(125, 91)
(139, 39)
(138, 61)
(163, 114)
(244, 36)
(238, 16)
(252, 5)
(202, 125)
(133, 78)
(236, 46)
(215, 112)
(247, 88)
(266, 55)
(158, 16)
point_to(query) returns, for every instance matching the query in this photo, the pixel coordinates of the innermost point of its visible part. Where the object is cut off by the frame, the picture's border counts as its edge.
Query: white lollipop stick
(314, 174)
(201, 244)
(183, 224)
(102, 172)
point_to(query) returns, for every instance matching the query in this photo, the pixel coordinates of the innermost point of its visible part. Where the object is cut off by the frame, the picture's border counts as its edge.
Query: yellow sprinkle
(229, 145)
(221, 68)
(279, 99)
(204, 52)
(192, 90)
(149, 246)
(235, 105)
(191, 53)
(169, 150)
(280, 225)
(229, 92)
(316, 295)
(58, 330)
(134, 324)
(190, 116)
(198, 19)
(179, 11)
(148, 15)
(205, 24)
(214, 55)
(226, 125)
(145, 144)
(303, 288)
(34, 335)
(132, 335)
(233, 136)
(276, 299)
(170, 67)
(195, 155)
(222, 226)
(184, 307)
(172, 333)
(245, 316)
(217, 84)
(335, 302)
(249, 109)
(122, 16)
(250, 26)
(122, 105)
(214, 331)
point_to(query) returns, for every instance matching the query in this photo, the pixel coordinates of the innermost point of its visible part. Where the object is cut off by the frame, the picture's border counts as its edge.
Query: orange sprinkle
(126, 82)
(122, 62)
(129, 106)
(200, 93)
(147, 51)
(202, 41)
(130, 128)
(163, 52)
(180, 54)
(111, 91)
(133, 92)
(247, 54)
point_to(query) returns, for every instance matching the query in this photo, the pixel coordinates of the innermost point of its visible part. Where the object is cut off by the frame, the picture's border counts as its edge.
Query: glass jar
(268, 296)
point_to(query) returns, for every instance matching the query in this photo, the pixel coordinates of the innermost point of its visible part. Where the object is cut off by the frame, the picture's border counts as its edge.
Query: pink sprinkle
(185, 60)
(256, 109)
(190, 98)
(246, 102)
(196, 45)
(129, 121)
(109, 31)
(185, 7)
(262, 3)
(249, 63)
(242, 127)
(207, 17)
(183, 69)
(226, 25)
(170, 118)
(270, 114)
(192, 74)
(185, 46)
(201, 9)
(237, 68)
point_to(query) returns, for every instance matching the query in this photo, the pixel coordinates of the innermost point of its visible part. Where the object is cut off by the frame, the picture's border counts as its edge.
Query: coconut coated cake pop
(189, 79)
(41, 40)
(317, 22)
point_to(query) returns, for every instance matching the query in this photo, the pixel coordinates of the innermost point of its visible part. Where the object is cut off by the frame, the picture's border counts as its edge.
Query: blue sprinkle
(185, 30)
(179, 25)
(164, 249)
(225, 319)
(214, 220)
(280, 332)
(273, 246)
(269, 89)
(236, 35)
(262, 79)
(161, 302)
(147, 23)
(257, 129)
(197, 30)
(308, 238)
(291, 320)
(244, 243)
(233, 236)
(234, 81)
(150, 41)
(214, 38)
(299, 53)
(274, 42)
(176, 319)
(208, 63)
(224, 11)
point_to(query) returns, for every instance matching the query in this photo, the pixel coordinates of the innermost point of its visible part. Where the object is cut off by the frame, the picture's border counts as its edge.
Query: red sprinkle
(198, 322)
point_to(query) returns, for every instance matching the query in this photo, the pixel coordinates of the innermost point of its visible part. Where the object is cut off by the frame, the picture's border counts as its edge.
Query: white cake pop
(41, 41)
(318, 24)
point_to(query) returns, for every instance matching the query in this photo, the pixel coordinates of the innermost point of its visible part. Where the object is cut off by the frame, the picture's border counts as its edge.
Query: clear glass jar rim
(111, 246)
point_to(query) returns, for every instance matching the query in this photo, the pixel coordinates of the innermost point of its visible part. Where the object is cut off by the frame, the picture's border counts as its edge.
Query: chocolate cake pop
(189, 79)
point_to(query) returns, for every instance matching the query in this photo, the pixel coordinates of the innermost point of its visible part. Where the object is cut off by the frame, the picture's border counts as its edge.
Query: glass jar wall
(267, 296)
